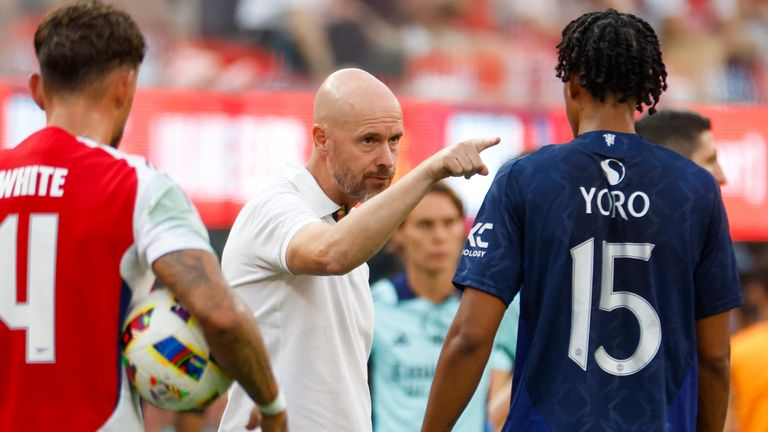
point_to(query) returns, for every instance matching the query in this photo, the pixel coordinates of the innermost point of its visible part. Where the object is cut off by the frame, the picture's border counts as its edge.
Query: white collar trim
(318, 201)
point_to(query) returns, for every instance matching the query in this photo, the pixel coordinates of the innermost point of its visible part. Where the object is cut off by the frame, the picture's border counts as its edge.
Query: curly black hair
(613, 53)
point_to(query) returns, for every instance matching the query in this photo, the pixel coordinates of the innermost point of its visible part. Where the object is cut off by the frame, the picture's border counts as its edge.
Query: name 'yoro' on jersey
(617, 247)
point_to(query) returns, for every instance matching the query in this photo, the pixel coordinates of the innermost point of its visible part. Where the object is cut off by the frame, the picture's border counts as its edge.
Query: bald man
(301, 267)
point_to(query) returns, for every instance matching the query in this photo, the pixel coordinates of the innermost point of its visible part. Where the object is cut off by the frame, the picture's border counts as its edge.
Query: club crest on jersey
(614, 171)
(610, 139)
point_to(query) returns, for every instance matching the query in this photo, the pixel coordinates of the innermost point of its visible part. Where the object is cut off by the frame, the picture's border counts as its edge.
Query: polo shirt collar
(308, 187)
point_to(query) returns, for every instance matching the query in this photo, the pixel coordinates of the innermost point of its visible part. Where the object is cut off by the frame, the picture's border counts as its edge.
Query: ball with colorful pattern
(166, 357)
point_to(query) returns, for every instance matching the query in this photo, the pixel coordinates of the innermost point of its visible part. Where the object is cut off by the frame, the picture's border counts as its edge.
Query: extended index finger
(482, 144)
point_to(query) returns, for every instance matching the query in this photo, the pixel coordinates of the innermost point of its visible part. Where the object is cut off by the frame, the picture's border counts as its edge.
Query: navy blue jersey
(617, 247)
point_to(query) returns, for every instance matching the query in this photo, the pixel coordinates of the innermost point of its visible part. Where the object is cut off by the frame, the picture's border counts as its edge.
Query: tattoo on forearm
(185, 269)
(238, 349)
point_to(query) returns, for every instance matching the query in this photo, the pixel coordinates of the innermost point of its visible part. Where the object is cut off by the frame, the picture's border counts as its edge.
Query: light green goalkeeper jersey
(408, 335)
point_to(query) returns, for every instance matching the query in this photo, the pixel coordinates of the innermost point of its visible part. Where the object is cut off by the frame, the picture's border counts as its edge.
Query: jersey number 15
(581, 307)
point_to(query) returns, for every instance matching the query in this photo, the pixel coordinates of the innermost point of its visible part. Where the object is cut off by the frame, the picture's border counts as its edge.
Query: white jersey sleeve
(165, 220)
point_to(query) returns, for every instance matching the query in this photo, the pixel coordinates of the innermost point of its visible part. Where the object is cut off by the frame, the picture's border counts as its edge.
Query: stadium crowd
(484, 51)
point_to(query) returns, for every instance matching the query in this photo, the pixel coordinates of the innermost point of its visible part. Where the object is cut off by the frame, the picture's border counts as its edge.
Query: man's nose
(717, 171)
(386, 156)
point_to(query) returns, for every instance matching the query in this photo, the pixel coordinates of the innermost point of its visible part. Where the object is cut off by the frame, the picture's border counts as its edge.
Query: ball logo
(614, 171)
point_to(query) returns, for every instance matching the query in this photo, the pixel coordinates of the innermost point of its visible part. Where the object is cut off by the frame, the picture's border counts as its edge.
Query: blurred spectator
(315, 37)
(294, 29)
(217, 19)
(748, 409)
(453, 53)
(708, 55)
(685, 132)
(496, 52)
(362, 38)
(413, 313)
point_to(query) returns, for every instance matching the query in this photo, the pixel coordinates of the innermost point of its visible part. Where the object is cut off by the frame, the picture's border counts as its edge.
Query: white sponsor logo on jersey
(476, 241)
(614, 171)
(474, 235)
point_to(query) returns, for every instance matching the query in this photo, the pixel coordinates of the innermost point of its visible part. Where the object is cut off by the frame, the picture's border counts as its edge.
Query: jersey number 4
(36, 315)
(581, 307)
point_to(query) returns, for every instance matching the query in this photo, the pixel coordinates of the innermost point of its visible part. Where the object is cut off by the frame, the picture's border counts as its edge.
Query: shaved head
(357, 131)
(351, 91)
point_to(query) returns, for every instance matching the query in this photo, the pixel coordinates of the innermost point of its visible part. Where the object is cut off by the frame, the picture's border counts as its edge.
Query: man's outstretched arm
(322, 249)
(194, 277)
(463, 358)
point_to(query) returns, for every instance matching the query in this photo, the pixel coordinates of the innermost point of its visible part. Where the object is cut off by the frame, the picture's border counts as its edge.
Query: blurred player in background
(685, 132)
(82, 227)
(301, 266)
(749, 349)
(623, 259)
(413, 312)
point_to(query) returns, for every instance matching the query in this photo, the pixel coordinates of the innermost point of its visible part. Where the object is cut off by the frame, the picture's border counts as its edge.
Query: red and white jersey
(80, 225)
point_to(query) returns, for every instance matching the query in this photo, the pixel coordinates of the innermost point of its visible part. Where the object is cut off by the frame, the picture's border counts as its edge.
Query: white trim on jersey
(164, 221)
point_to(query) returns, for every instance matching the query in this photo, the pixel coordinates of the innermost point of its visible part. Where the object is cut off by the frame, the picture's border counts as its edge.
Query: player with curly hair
(621, 253)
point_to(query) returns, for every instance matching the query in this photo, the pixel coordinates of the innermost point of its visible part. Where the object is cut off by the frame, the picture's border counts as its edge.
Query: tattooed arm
(195, 279)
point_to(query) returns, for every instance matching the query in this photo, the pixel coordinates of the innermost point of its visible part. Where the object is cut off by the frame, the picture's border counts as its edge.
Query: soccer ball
(166, 357)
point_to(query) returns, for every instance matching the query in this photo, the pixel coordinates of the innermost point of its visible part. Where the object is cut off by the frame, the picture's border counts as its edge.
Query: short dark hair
(676, 130)
(613, 53)
(442, 188)
(86, 40)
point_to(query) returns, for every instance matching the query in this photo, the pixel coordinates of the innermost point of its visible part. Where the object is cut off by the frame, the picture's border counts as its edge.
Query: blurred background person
(685, 132)
(413, 312)
(748, 410)
(480, 51)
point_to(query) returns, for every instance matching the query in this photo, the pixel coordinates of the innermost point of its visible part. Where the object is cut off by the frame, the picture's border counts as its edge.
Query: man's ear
(125, 86)
(320, 139)
(573, 87)
(36, 89)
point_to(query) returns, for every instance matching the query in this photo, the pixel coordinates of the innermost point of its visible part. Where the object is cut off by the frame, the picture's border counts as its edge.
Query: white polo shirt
(317, 329)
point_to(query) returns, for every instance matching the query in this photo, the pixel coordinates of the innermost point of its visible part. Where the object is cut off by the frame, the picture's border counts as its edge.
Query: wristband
(275, 407)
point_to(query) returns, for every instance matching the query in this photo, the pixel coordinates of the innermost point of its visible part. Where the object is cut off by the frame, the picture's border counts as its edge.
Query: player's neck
(81, 117)
(606, 116)
(433, 286)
